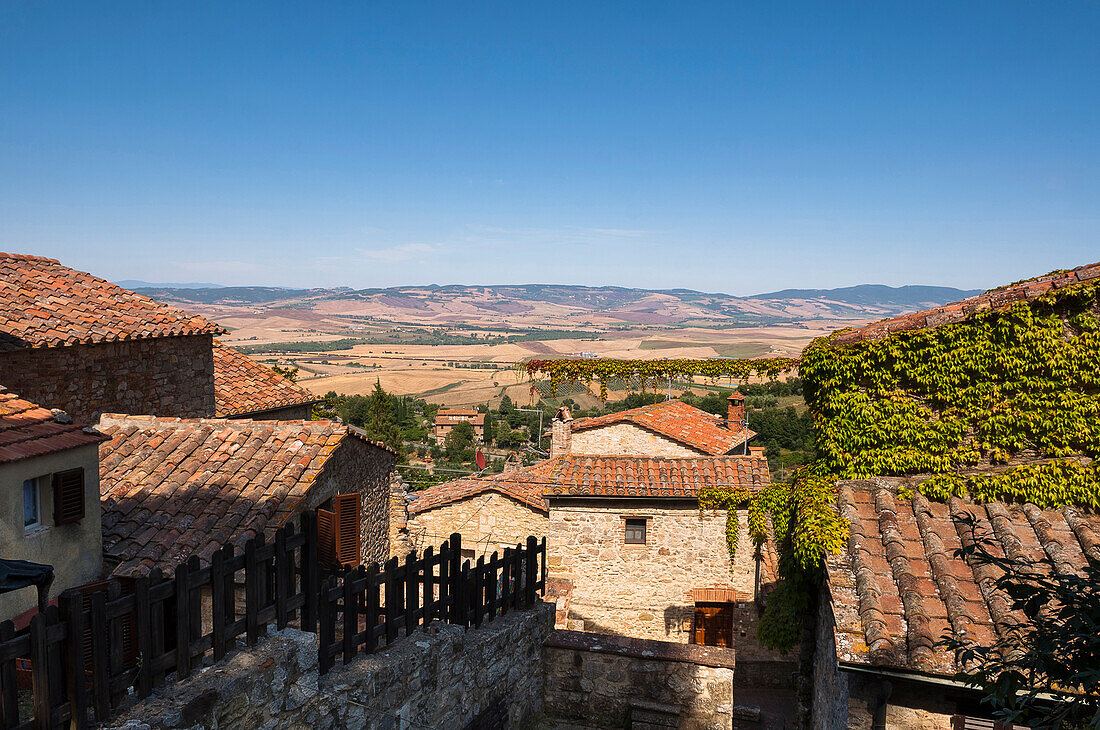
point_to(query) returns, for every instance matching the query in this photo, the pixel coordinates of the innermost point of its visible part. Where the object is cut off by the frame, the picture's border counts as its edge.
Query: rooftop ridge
(28, 257)
(151, 421)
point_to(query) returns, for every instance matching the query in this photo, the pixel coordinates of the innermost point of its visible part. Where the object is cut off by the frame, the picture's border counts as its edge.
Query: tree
(289, 373)
(1043, 672)
(459, 443)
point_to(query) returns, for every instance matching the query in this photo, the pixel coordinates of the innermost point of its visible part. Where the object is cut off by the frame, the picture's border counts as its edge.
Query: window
(32, 516)
(338, 531)
(68, 496)
(635, 532)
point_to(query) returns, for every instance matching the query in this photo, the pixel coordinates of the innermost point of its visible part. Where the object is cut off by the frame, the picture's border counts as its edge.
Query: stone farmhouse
(49, 496)
(173, 488)
(671, 428)
(73, 341)
(447, 418)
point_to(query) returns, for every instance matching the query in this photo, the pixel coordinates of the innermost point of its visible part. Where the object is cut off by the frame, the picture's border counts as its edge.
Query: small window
(635, 532)
(32, 512)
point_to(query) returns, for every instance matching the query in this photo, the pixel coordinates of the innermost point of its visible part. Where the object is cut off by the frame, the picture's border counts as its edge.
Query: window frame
(628, 527)
(36, 486)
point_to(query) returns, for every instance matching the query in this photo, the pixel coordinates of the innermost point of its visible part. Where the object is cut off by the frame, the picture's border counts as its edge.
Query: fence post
(10, 694)
(282, 592)
(542, 552)
(389, 574)
(326, 629)
(71, 604)
(479, 590)
(454, 590)
(194, 604)
(251, 593)
(430, 607)
(183, 623)
(311, 577)
(40, 675)
(532, 560)
(101, 672)
(351, 616)
(217, 602)
(505, 596)
(412, 590)
(116, 633)
(144, 628)
(372, 607)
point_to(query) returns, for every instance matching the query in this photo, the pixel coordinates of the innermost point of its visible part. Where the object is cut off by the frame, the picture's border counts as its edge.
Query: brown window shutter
(68, 496)
(326, 537)
(347, 528)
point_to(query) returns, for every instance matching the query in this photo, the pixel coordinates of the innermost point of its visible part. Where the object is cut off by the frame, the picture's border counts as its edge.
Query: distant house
(172, 488)
(670, 428)
(87, 346)
(244, 388)
(49, 497)
(447, 419)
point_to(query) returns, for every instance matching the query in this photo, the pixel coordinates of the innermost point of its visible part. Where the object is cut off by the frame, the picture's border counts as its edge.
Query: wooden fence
(97, 649)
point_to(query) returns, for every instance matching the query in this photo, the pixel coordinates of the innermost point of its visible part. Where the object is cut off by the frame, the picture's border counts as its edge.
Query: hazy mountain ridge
(556, 304)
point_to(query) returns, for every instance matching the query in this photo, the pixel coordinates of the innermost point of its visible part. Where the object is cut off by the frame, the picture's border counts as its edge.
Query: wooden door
(714, 624)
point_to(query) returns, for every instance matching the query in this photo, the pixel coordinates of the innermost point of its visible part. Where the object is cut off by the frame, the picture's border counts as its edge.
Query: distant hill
(138, 284)
(878, 295)
(565, 306)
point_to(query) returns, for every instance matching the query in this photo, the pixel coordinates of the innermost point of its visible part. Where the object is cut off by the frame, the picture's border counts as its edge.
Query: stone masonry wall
(643, 590)
(592, 680)
(163, 376)
(627, 439)
(442, 680)
(487, 522)
(356, 466)
(399, 516)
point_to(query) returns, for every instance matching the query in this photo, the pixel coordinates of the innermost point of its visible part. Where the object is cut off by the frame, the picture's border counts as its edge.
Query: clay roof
(45, 304)
(897, 587)
(678, 421)
(450, 418)
(242, 385)
(604, 476)
(28, 429)
(171, 488)
(959, 311)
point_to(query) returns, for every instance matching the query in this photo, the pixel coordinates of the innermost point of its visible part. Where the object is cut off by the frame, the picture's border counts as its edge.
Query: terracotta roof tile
(45, 304)
(173, 487)
(898, 587)
(959, 311)
(605, 476)
(244, 386)
(28, 429)
(678, 421)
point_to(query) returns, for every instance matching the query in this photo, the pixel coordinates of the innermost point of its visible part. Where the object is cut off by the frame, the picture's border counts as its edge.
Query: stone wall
(488, 522)
(358, 466)
(628, 439)
(163, 376)
(447, 679)
(643, 590)
(75, 550)
(399, 516)
(592, 679)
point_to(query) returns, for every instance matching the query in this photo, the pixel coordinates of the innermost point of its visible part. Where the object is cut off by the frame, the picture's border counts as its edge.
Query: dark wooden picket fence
(97, 649)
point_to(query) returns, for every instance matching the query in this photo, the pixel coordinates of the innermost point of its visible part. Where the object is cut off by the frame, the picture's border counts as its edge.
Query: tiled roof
(678, 421)
(451, 419)
(959, 311)
(506, 484)
(171, 488)
(27, 429)
(604, 476)
(242, 385)
(897, 587)
(45, 304)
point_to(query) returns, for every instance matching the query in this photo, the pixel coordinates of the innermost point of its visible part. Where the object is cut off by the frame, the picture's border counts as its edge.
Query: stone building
(447, 418)
(49, 497)
(172, 488)
(87, 346)
(669, 429)
(898, 588)
(491, 513)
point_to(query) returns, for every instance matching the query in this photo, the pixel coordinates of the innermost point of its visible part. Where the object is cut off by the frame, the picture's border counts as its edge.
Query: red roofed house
(447, 418)
(173, 488)
(671, 428)
(87, 346)
(49, 497)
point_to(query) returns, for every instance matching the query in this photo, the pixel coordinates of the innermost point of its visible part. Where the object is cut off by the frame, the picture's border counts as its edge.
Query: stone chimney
(561, 433)
(756, 451)
(735, 412)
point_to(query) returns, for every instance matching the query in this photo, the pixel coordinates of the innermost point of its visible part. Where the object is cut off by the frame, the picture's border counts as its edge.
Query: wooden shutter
(326, 537)
(347, 528)
(68, 496)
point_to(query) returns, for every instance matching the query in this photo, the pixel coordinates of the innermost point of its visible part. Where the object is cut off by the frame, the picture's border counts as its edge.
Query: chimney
(756, 451)
(735, 412)
(512, 463)
(561, 433)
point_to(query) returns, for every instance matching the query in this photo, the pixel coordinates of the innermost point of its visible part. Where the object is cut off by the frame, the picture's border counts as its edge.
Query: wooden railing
(98, 648)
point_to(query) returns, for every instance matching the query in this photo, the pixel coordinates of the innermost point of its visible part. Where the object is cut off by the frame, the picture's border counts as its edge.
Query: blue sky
(736, 147)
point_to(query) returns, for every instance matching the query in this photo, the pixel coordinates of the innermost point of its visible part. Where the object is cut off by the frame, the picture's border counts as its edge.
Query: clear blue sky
(737, 147)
